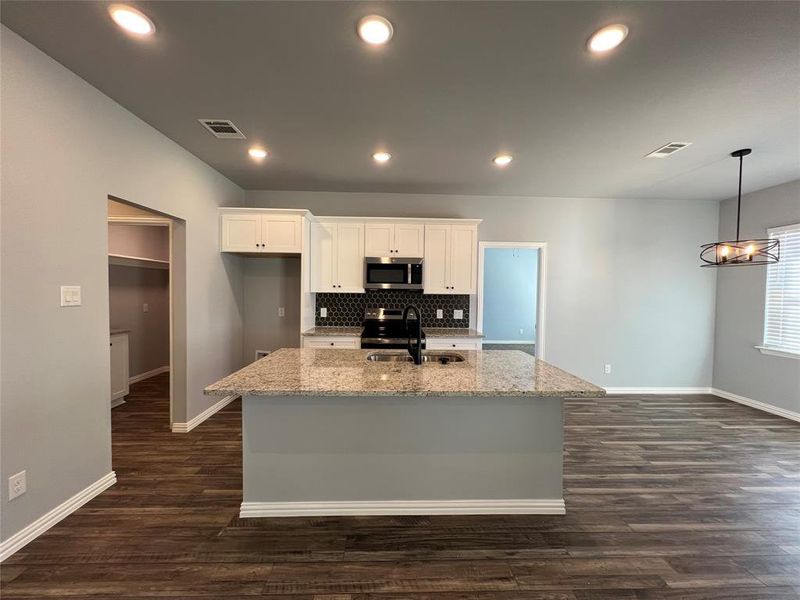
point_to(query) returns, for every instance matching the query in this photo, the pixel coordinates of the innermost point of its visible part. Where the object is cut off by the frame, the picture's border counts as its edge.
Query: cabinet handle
(331, 343)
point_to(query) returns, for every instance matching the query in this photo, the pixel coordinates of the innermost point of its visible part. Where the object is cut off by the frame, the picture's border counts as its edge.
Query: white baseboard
(188, 426)
(781, 412)
(117, 402)
(403, 507)
(46, 521)
(148, 374)
(658, 390)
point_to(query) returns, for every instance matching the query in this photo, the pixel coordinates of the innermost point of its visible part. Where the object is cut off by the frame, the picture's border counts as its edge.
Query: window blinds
(782, 318)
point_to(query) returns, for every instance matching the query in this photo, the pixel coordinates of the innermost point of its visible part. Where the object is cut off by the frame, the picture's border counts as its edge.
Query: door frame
(168, 223)
(541, 287)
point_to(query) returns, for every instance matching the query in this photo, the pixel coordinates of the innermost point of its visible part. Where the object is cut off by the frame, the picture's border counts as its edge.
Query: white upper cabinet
(405, 240)
(451, 253)
(257, 233)
(349, 252)
(337, 257)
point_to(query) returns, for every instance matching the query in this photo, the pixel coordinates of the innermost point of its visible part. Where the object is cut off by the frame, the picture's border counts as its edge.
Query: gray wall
(129, 288)
(624, 285)
(739, 367)
(270, 282)
(65, 148)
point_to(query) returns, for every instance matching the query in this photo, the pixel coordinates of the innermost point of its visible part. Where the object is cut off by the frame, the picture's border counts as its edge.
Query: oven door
(393, 274)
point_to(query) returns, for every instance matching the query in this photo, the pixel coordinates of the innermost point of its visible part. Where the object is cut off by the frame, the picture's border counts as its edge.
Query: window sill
(778, 352)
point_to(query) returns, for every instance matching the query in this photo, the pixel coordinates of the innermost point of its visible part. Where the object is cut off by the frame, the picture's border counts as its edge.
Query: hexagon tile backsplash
(347, 310)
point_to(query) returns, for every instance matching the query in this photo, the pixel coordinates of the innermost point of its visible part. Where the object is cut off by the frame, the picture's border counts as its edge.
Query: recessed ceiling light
(501, 160)
(607, 38)
(131, 19)
(375, 30)
(381, 157)
(258, 153)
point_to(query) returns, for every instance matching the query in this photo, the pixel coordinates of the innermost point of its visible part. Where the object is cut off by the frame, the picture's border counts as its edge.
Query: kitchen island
(330, 432)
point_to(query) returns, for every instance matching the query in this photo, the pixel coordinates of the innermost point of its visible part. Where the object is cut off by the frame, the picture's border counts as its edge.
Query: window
(782, 307)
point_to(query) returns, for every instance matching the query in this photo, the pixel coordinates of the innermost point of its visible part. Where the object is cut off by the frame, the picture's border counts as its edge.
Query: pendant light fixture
(740, 252)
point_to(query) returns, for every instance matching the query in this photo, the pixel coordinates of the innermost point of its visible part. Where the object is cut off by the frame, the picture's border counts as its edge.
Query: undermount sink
(427, 357)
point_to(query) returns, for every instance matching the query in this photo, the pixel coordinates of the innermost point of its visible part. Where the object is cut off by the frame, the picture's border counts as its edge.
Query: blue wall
(510, 278)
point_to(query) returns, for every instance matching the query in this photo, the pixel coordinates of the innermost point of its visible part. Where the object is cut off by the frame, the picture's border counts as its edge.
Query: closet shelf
(122, 260)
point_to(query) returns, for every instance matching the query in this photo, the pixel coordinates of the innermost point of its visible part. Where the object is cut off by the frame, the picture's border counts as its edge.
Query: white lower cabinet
(333, 341)
(119, 368)
(453, 343)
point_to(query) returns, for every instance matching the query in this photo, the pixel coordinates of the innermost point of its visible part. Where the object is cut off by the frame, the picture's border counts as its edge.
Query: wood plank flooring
(689, 497)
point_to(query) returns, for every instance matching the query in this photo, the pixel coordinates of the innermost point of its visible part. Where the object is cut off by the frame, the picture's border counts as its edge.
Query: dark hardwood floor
(689, 497)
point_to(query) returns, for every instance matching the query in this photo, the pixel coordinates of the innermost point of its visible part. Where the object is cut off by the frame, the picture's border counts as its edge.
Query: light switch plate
(323, 313)
(281, 311)
(70, 295)
(458, 314)
(439, 313)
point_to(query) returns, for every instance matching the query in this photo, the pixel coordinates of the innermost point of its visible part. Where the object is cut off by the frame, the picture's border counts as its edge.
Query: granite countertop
(343, 331)
(342, 372)
(452, 332)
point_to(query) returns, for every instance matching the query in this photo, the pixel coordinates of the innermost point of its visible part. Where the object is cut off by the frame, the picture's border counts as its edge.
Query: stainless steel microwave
(393, 273)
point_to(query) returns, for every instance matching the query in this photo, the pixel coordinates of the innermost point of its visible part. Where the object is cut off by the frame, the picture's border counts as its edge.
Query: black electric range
(384, 328)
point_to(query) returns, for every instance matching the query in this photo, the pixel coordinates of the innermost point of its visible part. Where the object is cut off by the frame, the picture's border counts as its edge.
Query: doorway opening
(142, 261)
(511, 295)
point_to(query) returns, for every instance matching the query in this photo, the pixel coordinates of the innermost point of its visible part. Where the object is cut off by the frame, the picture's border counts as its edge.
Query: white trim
(541, 287)
(658, 390)
(778, 352)
(782, 228)
(214, 408)
(39, 526)
(520, 342)
(124, 260)
(148, 374)
(115, 402)
(532, 506)
(781, 412)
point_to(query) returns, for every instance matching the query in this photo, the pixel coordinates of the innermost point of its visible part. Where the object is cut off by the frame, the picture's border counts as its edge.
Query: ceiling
(459, 82)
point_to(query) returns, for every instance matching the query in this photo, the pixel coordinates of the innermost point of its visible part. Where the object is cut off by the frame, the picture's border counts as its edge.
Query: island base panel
(306, 455)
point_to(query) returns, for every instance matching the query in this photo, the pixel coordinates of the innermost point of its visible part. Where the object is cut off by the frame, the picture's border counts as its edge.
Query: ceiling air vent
(668, 149)
(223, 129)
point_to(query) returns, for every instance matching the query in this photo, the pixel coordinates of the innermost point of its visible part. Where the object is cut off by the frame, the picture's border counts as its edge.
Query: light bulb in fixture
(258, 153)
(131, 19)
(607, 38)
(375, 30)
(381, 157)
(502, 160)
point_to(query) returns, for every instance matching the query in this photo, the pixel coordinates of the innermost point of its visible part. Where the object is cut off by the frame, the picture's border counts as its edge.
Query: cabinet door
(241, 233)
(349, 250)
(322, 257)
(281, 233)
(379, 240)
(437, 258)
(119, 366)
(409, 240)
(463, 257)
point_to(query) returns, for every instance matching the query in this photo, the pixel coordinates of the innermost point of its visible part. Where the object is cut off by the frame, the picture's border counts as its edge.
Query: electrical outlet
(323, 313)
(17, 485)
(70, 295)
(281, 311)
(521, 331)
(145, 307)
(439, 313)
(607, 369)
(458, 314)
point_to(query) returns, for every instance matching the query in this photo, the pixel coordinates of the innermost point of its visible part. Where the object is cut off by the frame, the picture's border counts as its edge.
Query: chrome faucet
(414, 350)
